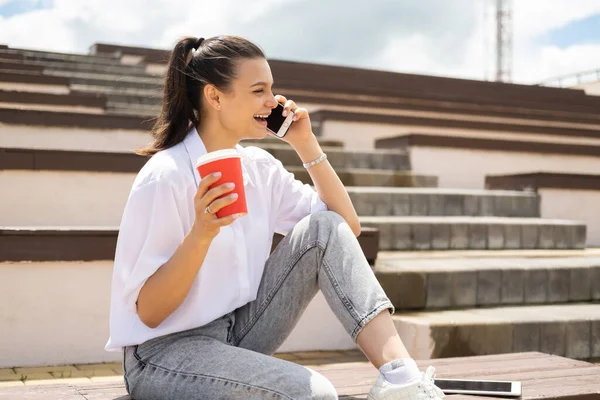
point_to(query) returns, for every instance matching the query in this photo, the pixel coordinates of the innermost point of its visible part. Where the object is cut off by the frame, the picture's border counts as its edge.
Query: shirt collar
(195, 148)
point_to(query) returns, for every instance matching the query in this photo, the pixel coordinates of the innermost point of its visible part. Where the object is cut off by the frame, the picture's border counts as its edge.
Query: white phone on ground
(277, 124)
(479, 386)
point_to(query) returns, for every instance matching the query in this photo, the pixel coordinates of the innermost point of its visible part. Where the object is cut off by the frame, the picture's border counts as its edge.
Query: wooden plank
(483, 370)
(543, 377)
(42, 392)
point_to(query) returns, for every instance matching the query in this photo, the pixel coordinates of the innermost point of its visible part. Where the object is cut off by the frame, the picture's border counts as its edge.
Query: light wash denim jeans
(231, 357)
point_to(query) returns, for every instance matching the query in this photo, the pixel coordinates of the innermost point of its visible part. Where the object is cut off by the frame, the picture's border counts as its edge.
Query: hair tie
(198, 43)
(194, 49)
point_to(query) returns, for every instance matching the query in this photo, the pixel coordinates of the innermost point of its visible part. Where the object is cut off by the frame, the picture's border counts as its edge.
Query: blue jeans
(231, 357)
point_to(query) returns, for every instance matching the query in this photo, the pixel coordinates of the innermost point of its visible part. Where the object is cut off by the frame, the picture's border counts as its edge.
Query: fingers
(280, 99)
(300, 113)
(289, 106)
(205, 184)
(217, 192)
(220, 222)
(223, 202)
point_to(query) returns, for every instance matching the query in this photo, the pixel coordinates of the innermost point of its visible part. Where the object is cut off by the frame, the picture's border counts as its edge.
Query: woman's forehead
(255, 70)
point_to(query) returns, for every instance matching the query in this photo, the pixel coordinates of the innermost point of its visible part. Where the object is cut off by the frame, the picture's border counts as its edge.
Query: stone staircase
(470, 272)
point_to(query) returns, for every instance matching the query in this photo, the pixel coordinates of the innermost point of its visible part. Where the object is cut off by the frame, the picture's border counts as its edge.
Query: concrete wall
(363, 135)
(57, 313)
(579, 205)
(63, 198)
(61, 138)
(466, 169)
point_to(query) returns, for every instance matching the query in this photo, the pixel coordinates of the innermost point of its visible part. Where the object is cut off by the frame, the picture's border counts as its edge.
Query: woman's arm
(327, 183)
(168, 287)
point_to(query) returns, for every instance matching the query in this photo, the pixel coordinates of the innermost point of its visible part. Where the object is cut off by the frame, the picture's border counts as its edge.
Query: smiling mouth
(261, 121)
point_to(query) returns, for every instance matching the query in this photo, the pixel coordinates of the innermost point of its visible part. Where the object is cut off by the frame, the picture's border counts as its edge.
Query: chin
(263, 134)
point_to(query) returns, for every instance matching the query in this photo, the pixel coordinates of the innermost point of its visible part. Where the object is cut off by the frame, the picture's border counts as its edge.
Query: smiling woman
(200, 303)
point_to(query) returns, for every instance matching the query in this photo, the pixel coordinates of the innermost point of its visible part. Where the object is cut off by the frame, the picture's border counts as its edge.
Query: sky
(453, 38)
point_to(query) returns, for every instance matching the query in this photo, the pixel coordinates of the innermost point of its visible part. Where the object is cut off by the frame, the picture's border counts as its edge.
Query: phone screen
(474, 385)
(275, 120)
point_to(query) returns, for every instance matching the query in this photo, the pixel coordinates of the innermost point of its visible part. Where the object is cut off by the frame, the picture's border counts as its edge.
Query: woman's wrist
(309, 150)
(199, 237)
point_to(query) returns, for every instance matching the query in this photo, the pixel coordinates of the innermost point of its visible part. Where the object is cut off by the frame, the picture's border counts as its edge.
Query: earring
(219, 106)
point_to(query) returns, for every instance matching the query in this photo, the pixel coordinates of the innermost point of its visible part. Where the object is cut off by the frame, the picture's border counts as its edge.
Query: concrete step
(128, 70)
(271, 140)
(111, 91)
(133, 109)
(571, 330)
(462, 233)
(342, 159)
(447, 280)
(61, 57)
(127, 82)
(385, 201)
(371, 177)
(59, 314)
(92, 243)
(86, 197)
(106, 78)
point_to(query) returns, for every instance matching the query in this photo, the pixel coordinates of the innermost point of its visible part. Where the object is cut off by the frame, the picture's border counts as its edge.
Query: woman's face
(251, 96)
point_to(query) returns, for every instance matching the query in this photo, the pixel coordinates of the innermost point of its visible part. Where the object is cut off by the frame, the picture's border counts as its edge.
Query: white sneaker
(420, 390)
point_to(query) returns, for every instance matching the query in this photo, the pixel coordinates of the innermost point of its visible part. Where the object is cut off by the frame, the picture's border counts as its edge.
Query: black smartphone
(480, 387)
(277, 124)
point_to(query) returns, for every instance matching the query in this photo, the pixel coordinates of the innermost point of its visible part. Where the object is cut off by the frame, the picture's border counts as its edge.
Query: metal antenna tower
(504, 40)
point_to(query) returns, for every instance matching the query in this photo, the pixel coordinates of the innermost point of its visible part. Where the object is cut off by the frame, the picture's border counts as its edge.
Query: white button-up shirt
(160, 212)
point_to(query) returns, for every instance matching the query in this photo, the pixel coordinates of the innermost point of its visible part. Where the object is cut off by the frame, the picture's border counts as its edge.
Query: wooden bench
(543, 376)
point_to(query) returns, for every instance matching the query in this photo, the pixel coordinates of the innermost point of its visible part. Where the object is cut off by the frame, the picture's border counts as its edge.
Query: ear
(211, 94)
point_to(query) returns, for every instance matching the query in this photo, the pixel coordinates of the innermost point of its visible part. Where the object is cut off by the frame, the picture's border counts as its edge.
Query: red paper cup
(229, 163)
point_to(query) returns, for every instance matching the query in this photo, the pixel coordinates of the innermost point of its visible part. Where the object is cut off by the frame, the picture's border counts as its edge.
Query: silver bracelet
(314, 162)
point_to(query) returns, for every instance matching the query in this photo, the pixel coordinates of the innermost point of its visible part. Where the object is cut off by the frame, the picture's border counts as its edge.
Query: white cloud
(427, 36)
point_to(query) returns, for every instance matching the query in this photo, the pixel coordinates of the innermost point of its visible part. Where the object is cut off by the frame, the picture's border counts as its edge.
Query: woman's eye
(258, 91)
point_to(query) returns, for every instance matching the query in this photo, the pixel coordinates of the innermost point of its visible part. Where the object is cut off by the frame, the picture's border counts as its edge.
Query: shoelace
(428, 384)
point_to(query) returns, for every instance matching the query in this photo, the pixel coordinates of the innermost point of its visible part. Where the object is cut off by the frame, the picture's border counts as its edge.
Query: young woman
(199, 305)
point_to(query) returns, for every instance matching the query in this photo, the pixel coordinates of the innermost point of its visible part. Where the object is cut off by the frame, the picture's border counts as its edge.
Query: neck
(215, 138)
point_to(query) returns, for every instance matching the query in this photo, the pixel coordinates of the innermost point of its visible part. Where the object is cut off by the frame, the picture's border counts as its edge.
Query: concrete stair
(340, 158)
(570, 330)
(451, 281)
(420, 201)
(60, 57)
(464, 303)
(470, 271)
(461, 233)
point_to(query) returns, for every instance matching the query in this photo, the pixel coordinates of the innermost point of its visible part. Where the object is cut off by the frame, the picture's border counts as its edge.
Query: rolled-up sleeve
(294, 200)
(151, 231)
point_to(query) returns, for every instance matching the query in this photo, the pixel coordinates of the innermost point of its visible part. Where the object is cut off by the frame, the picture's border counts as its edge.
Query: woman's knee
(329, 219)
(321, 387)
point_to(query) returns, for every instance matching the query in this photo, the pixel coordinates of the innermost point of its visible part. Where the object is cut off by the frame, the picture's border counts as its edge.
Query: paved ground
(107, 372)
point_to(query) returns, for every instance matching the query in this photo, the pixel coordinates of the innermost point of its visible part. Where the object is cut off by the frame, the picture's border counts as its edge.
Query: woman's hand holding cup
(207, 224)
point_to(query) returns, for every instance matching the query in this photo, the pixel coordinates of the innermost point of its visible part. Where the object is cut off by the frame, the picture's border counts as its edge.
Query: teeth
(260, 116)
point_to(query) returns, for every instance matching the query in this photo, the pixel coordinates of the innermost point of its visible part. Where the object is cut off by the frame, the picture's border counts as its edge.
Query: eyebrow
(261, 83)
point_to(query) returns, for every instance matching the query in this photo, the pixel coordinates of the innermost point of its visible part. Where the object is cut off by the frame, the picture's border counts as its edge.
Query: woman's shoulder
(166, 167)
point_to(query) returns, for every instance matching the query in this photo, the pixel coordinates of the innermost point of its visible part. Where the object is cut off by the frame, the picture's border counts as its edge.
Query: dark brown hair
(214, 62)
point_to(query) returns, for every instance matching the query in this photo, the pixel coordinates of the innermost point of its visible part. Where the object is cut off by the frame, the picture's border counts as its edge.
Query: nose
(272, 103)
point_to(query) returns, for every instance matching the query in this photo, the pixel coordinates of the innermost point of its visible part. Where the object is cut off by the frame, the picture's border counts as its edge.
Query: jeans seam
(125, 370)
(278, 284)
(337, 288)
(146, 363)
